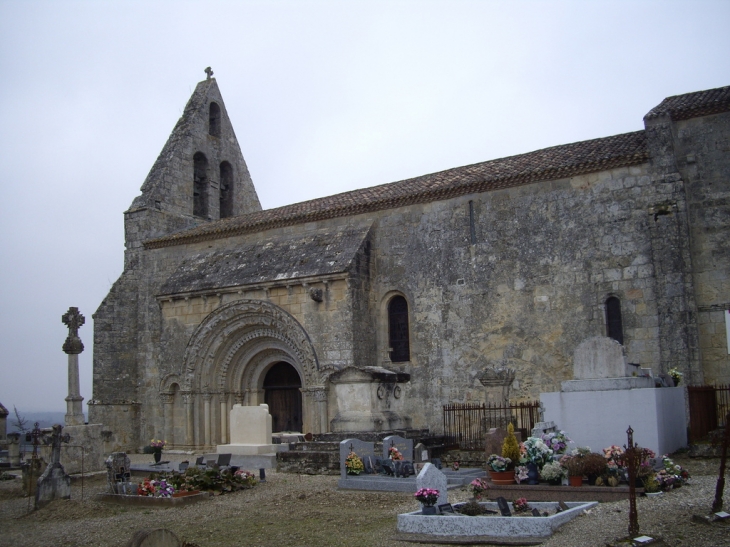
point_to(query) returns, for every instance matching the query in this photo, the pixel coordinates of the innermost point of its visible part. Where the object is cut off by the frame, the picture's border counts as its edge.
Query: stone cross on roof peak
(209, 72)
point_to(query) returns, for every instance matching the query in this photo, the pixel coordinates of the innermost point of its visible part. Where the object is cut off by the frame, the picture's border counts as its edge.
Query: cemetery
(523, 487)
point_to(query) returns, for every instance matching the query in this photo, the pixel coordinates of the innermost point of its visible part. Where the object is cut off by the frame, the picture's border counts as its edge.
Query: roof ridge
(544, 164)
(692, 105)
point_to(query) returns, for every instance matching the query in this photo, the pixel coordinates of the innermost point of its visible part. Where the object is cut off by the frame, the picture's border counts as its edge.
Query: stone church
(369, 310)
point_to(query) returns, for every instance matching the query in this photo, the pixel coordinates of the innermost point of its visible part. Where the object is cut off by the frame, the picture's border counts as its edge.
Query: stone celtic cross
(209, 72)
(73, 320)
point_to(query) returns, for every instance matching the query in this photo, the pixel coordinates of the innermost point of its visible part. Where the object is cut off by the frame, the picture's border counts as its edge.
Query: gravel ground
(302, 510)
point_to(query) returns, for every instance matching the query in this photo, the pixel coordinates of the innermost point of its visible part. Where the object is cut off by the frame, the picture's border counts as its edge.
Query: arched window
(226, 195)
(200, 185)
(614, 327)
(214, 120)
(398, 330)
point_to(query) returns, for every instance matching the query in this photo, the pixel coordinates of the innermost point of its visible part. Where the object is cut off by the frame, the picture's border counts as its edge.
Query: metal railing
(466, 424)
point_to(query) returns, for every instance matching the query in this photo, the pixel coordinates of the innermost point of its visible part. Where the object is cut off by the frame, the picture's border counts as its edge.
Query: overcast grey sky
(325, 97)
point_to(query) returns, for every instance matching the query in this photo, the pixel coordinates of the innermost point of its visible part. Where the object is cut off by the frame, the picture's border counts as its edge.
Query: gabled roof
(692, 105)
(547, 164)
(277, 258)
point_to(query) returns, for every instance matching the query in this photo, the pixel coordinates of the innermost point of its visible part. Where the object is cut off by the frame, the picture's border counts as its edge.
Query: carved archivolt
(238, 333)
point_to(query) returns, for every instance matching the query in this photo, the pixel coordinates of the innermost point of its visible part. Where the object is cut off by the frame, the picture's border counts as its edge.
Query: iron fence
(466, 424)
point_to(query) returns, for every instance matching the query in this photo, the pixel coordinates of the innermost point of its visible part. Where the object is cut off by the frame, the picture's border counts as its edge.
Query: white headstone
(599, 357)
(251, 424)
(430, 477)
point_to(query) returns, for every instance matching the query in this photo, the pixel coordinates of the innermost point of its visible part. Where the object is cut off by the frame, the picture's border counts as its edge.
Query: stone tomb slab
(514, 527)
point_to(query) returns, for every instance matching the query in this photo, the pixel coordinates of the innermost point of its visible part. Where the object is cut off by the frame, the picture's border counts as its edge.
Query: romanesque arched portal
(226, 362)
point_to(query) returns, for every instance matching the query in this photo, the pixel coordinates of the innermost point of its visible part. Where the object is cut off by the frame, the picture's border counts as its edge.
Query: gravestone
(404, 446)
(599, 357)
(420, 453)
(118, 473)
(437, 463)
(430, 477)
(250, 431)
(54, 483)
(161, 537)
(363, 450)
(541, 428)
(494, 439)
(503, 507)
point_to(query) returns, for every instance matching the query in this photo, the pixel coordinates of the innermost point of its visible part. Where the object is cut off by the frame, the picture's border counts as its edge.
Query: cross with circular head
(208, 72)
(73, 320)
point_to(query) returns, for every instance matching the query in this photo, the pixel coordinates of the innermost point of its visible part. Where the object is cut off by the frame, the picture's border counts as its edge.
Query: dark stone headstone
(535, 512)
(446, 508)
(563, 506)
(407, 469)
(503, 507)
(437, 463)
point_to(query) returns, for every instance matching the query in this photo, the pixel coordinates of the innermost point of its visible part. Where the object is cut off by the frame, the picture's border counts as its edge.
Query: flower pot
(428, 510)
(157, 455)
(502, 477)
(533, 474)
(576, 481)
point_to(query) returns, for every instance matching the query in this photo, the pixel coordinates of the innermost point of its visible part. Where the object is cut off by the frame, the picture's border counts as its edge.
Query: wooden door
(282, 394)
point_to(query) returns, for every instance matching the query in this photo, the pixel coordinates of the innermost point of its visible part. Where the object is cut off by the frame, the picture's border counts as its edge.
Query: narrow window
(214, 120)
(398, 330)
(613, 319)
(200, 185)
(226, 195)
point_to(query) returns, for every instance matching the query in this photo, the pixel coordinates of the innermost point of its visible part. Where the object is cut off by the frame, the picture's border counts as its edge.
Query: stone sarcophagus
(369, 399)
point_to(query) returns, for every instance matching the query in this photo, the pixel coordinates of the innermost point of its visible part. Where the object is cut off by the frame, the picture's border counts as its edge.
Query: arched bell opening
(282, 392)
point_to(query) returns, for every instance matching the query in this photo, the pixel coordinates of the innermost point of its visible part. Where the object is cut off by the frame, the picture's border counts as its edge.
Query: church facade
(371, 309)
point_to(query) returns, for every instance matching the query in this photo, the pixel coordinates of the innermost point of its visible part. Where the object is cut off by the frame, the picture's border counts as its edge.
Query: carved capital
(187, 397)
(207, 396)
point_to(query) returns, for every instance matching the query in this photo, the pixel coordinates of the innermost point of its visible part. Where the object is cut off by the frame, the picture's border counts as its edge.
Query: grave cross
(632, 455)
(57, 437)
(208, 72)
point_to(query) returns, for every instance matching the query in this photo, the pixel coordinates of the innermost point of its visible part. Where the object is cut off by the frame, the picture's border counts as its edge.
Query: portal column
(206, 418)
(224, 416)
(189, 422)
(167, 416)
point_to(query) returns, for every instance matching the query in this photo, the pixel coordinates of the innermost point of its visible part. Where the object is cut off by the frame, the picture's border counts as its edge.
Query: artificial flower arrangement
(534, 450)
(157, 444)
(676, 376)
(394, 454)
(557, 441)
(427, 496)
(478, 488)
(521, 473)
(573, 461)
(521, 505)
(553, 472)
(353, 464)
(158, 489)
(499, 464)
(677, 473)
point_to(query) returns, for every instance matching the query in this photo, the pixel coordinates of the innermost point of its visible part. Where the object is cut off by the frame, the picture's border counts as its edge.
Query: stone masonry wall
(702, 151)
